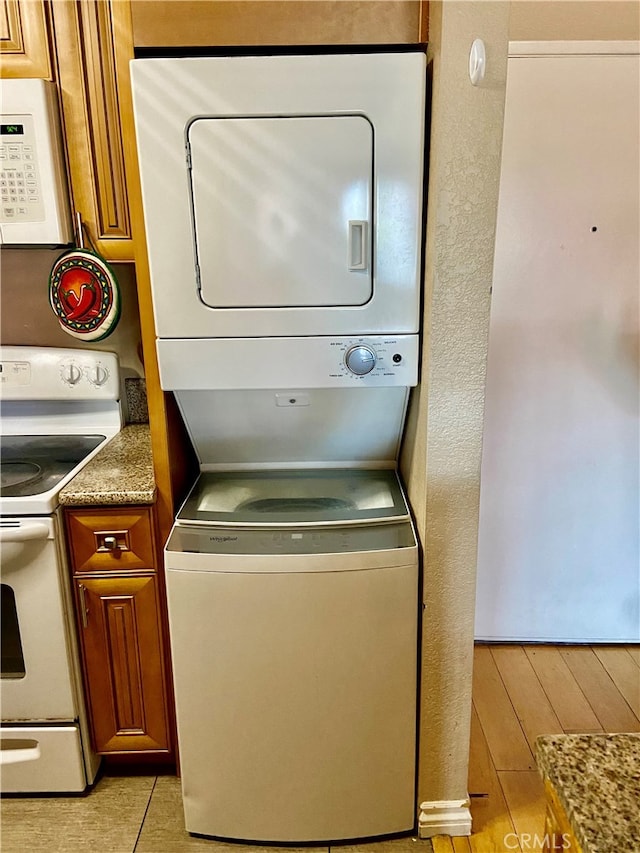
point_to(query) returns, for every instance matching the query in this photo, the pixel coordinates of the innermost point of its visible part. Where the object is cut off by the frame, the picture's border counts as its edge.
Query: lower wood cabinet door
(123, 663)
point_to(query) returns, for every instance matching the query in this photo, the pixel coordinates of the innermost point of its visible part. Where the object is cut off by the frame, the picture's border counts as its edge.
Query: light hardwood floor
(520, 692)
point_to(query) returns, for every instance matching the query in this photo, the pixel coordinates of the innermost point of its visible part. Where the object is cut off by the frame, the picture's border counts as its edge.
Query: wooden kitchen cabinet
(558, 833)
(108, 541)
(123, 663)
(180, 23)
(118, 598)
(93, 47)
(84, 46)
(24, 43)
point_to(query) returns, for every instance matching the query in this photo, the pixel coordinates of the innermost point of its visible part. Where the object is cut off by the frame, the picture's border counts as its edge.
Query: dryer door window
(283, 210)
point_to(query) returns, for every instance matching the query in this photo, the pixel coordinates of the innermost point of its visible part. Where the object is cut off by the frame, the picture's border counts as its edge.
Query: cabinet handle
(110, 543)
(84, 610)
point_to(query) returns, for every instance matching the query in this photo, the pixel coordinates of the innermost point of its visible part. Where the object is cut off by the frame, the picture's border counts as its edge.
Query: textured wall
(441, 454)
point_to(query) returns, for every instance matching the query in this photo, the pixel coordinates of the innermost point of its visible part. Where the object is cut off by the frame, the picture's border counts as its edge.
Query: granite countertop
(120, 473)
(597, 780)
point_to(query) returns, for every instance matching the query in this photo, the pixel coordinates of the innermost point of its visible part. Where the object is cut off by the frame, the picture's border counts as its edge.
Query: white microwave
(282, 194)
(33, 183)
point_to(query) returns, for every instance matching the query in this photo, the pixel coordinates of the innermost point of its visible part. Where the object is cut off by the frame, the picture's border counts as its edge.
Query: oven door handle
(19, 750)
(25, 533)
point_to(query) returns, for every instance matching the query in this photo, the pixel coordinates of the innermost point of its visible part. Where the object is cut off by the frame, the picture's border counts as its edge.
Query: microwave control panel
(19, 179)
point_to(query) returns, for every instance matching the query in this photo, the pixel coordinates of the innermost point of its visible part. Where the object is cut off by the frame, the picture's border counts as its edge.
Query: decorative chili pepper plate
(84, 295)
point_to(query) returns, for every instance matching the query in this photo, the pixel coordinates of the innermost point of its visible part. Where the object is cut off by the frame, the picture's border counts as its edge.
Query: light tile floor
(134, 814)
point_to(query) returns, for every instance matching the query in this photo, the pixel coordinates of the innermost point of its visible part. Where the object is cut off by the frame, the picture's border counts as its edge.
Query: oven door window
(11, 648)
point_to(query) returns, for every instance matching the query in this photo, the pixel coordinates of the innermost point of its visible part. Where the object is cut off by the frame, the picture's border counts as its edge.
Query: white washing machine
(293, 607)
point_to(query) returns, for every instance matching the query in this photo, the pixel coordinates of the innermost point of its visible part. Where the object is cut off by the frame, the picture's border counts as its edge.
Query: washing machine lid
(295, 497)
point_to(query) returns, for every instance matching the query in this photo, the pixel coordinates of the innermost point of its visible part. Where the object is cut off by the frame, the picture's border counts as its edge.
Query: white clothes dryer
(282, 194)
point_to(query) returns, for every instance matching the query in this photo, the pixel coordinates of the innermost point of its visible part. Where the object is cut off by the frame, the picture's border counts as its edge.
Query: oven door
(36, 672)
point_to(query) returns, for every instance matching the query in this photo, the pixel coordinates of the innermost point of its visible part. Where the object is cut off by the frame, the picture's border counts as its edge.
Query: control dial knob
(97, 375)
(71, 373)
(360, 359)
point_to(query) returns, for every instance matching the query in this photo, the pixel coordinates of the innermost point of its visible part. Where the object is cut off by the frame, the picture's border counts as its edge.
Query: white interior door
(282, 210)
(558, 544)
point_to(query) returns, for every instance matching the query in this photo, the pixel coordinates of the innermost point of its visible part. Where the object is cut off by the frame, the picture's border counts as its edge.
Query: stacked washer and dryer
(283, 210)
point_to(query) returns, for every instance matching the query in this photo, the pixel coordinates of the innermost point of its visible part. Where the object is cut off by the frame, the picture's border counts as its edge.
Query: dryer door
(282, 210)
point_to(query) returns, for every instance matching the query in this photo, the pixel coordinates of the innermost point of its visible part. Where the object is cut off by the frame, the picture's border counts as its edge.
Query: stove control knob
(360, 360)
(97, 375)
(71, 373)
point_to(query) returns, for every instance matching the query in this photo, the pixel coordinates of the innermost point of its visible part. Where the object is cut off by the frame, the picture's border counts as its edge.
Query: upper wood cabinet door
(93, 49)
(24, 46)
(168, 23)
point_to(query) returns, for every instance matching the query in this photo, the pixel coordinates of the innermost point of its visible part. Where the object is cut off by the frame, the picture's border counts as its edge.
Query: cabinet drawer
(102, 540)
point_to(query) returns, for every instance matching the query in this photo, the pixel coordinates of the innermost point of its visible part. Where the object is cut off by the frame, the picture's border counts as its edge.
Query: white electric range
(59, 407)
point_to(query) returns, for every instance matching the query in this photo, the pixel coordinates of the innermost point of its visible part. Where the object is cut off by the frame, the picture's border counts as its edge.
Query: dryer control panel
(372, 361)
(375, 358)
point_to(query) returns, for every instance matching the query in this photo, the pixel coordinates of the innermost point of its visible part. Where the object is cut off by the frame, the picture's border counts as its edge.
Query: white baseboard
(444, 817)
